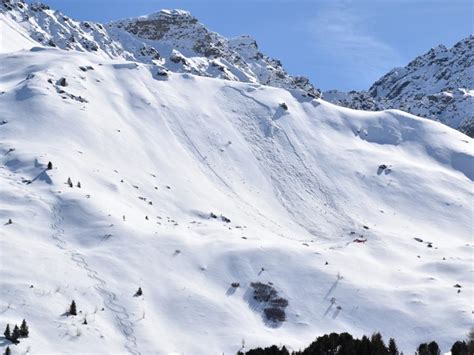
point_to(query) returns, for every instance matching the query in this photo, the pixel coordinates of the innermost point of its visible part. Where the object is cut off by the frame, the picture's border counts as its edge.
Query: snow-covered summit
(438, 85)
(171, 39)
(189, 46)
(171, 13)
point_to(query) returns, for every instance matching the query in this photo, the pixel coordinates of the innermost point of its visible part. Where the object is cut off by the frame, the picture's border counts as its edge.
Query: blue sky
(345, 44)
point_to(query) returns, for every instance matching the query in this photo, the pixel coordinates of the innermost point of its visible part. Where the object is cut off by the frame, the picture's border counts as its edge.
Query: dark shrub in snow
(284, 106)
(274, 314)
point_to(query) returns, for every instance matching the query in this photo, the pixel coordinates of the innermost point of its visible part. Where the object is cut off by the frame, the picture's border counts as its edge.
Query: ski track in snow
(109, 298)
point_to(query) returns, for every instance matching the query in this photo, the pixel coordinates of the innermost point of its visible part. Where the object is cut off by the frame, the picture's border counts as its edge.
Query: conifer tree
(423, 349)
(470, 341)
(79, 184)
(15, 335)
(8, 351)
(72, 309)
(50, 166)
(365, 346)
(24, 331)
(378, 346)
(434, 348)
(69, 182)
(459, 348)
(392, 347)
(7, 333)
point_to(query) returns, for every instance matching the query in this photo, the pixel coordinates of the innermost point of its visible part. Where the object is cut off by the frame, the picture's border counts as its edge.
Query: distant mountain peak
(438, 85)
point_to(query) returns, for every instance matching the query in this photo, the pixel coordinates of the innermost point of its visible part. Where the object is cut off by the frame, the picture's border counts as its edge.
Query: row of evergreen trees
(346, 344)
(17, 332)
(23, 331)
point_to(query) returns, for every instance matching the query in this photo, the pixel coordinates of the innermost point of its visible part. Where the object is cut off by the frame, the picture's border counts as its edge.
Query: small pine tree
(85, 321)
(392, 347)
(434, 348)
(24, 331)
(470, 341)
(459, 348)
(50, 166)
(139, 292)
(378, 346)
(79, 184)
(423, 349)
(69, 182)
(15, 335)
(7, 333)
(365, 346)
(8, 351)
(72, 309)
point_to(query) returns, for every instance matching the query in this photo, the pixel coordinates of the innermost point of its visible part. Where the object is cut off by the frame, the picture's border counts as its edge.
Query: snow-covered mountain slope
(361, 221)
(172, 39)
(437, 85)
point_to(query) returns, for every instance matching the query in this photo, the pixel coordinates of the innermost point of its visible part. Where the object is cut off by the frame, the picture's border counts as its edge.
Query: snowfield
(324, 203)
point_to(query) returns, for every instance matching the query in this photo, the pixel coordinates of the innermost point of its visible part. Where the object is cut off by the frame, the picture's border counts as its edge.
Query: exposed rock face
(171, 39)
(191, 47)
(161, 24)
(358, 100)
(437, 85)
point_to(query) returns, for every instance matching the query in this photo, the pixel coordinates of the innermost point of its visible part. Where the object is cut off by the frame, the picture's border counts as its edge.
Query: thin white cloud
(343, 33)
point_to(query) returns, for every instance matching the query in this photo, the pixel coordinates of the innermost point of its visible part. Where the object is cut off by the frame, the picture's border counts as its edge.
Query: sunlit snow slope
(310, 210)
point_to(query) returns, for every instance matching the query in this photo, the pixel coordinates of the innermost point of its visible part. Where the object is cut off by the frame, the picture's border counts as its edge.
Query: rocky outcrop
(190, 47)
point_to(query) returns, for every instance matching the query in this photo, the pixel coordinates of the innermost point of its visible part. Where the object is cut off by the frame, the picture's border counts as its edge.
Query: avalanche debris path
(274, 225)
(311, 182)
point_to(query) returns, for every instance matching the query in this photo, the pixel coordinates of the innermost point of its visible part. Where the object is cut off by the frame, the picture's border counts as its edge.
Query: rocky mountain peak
(192, 47)
(438, 85)
(173, 40)
(157, 25)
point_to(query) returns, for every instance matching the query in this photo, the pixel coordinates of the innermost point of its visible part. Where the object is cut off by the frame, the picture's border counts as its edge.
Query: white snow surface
(298, 186)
